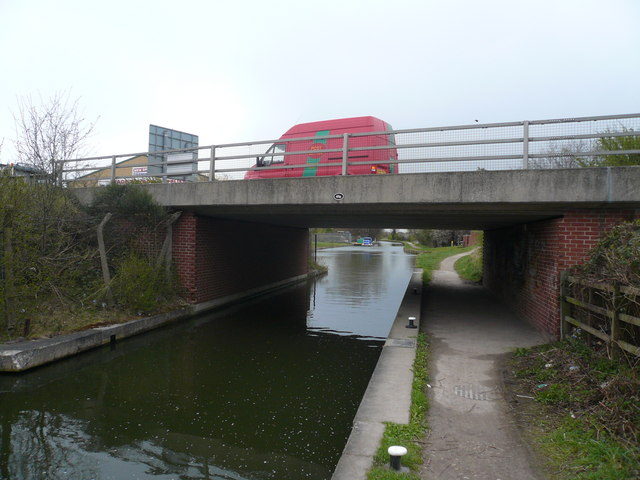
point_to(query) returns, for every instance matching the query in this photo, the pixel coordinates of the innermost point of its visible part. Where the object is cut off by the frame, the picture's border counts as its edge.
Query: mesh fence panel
(560, 143)
(462, 149)
(576, 143)
(232, 162)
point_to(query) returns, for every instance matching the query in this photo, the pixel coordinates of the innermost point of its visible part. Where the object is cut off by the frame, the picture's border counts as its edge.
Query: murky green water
(267, 390)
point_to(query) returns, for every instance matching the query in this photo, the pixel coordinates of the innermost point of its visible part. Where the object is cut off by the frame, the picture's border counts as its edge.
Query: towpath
(472, 435)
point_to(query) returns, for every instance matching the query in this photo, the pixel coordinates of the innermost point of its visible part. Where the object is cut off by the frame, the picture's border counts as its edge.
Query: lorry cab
(322, 143)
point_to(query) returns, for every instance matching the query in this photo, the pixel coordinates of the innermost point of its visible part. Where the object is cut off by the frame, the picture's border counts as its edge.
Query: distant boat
(364, 242)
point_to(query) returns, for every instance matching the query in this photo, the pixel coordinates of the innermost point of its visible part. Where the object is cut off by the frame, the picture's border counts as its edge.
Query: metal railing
(539, 144)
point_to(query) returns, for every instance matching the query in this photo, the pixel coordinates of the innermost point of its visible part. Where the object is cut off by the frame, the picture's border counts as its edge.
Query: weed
(581, 453)
(553, 394)
(586, 421)
(605, 368)
(470, 266)
(385, 474)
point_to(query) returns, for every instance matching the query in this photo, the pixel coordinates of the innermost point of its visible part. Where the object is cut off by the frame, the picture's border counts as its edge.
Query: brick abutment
(216, 258)
(523, 263)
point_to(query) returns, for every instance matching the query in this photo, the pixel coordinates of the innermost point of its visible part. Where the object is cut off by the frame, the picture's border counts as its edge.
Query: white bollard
(395, 455)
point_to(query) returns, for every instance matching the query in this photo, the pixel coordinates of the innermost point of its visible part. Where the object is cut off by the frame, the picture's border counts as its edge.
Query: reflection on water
(260, 391)
(363, 290)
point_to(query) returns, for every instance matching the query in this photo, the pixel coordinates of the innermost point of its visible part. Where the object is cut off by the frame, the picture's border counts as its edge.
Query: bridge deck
(476, 200)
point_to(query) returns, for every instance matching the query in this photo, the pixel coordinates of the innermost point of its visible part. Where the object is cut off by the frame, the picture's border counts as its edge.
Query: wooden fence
(608, 312)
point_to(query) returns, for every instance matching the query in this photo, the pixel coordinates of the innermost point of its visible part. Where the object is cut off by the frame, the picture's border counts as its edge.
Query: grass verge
(431, 258)
(470, 267)
(580, 410)
(322, 245)
(50, 320)
(407, 435)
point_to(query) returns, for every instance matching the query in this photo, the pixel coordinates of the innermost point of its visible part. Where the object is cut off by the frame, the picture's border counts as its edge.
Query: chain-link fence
(558, 143)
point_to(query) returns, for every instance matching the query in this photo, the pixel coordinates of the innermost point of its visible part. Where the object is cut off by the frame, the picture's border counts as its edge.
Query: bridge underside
(378, 215)
(460, 200)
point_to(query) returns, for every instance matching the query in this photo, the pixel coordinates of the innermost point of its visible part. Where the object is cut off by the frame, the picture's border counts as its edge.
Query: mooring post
(395, 456)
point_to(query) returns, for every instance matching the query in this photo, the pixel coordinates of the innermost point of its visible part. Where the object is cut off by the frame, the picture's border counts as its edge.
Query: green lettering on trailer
(311, 169)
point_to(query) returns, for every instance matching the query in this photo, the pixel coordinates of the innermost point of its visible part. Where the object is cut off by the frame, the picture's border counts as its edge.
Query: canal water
(265, 390)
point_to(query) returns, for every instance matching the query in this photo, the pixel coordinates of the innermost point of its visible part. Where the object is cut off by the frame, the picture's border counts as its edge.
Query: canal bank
(25, 355)
(388, 394)
(239, 392)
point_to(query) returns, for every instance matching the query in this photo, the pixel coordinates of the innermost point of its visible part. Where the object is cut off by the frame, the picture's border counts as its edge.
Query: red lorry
(322, 143)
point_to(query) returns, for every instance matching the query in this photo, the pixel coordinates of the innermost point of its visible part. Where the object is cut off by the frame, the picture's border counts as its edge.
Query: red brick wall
(471, 239)
(523, 263)
(184, 254)
(144, 240)
(215, 258)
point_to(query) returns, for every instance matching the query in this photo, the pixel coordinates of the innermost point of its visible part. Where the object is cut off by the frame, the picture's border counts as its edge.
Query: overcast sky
(239, 70)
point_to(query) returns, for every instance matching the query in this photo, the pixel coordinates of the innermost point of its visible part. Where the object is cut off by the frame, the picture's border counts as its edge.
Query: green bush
(138, 286)
(49, 259)
(424, 237)
(125, 200)
(45, 251)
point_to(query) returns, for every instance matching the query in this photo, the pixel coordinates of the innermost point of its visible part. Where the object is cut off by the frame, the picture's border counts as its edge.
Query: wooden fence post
(615, 322)
(167, 246)
(103, 260)
(9, 293)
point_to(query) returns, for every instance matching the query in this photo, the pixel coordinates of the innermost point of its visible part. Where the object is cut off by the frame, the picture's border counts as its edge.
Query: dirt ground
(473, 429)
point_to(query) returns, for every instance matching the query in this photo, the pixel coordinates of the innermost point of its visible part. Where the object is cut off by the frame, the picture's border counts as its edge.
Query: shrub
(617, 256)
(138, 286)
(125, 200)
(45, 250)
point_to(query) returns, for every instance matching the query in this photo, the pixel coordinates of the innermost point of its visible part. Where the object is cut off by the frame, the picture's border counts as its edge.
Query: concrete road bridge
(484, 200)
(237, 237)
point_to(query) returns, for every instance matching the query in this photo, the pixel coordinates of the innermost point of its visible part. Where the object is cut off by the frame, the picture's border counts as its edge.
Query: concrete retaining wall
(21, 356)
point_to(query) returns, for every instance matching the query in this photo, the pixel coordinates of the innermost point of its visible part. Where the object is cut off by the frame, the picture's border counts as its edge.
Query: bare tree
(564, 154)
(50, 131)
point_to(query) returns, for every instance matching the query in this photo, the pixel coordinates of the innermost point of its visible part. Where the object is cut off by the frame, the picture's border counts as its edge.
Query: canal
(265, 390)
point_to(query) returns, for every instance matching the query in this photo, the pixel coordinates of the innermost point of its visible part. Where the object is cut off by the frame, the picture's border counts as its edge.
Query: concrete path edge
(388, 394)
